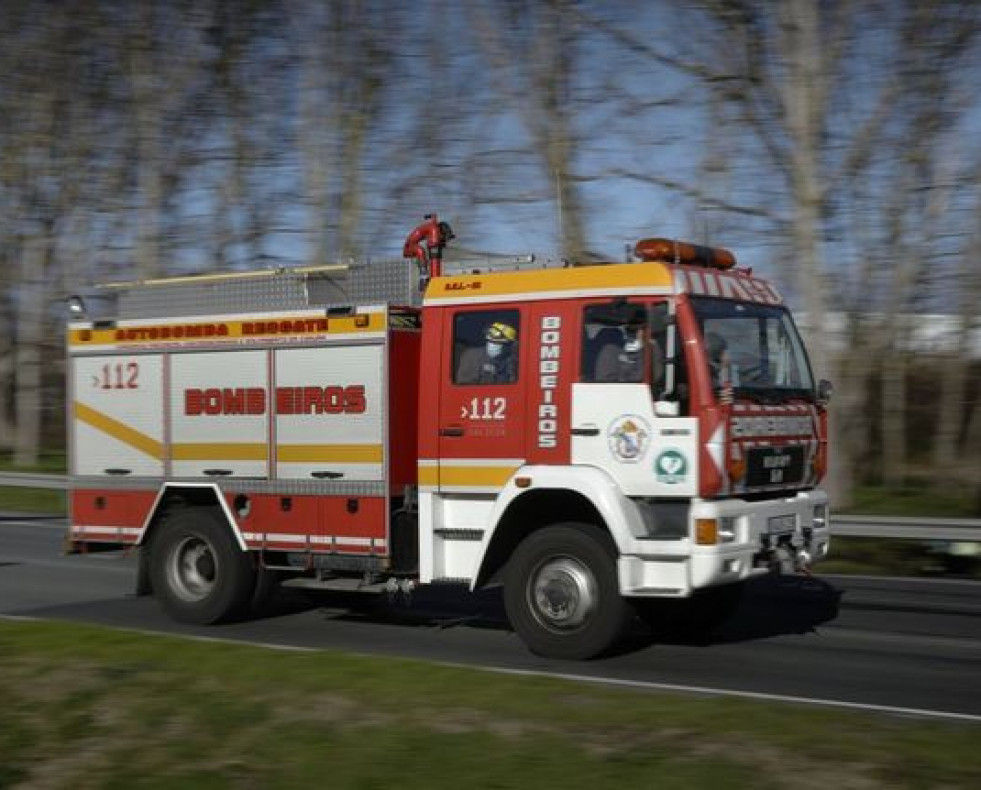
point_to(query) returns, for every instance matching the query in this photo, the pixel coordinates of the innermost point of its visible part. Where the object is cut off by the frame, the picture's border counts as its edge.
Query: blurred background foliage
(836, 146)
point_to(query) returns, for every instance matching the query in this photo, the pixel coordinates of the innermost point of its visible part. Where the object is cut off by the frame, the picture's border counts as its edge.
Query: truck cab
(665, 413)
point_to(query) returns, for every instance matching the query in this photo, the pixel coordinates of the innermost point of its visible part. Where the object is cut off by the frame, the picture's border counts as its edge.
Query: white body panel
(340, 434)
(451, 528)
(118, 391)
(455, 533)
(646, 455)
(236, 443)
(455, 530)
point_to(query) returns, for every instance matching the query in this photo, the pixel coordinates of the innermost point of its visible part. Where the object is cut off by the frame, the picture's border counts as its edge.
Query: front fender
(594, 487)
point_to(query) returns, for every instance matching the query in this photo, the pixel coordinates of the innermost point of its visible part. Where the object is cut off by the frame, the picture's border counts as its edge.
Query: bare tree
(345, 62)
(536, 45)
(958, 433)
(826, 92)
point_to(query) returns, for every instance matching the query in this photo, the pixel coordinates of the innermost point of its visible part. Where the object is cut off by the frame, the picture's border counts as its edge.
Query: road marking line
(39, 523)
(753, 695)
(938, 580)
(642, 685)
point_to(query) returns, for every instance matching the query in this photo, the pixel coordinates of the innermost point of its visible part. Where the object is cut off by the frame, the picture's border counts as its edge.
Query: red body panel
(317, 523)
(555, 337)
(464, 430)
(702, 403)
(109, 515)
(526, 420)
(430, 383)
(107, 507)
(403, 409)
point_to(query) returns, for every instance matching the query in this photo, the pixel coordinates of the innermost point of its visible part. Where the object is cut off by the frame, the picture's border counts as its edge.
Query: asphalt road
(909, 646)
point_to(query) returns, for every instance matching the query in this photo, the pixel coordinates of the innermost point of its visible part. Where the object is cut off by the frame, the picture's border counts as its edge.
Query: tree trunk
(28, 358)
(6, 380)
(893, 419)
(952, 401)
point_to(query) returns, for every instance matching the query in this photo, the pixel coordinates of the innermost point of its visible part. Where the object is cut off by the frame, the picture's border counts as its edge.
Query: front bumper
(785, 532)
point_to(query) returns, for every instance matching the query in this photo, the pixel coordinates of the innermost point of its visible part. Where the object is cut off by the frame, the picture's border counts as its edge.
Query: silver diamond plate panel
(374, 282)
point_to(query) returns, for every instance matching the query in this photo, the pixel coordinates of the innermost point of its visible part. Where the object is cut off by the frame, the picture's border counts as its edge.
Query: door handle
(585, 431)
(453, 430)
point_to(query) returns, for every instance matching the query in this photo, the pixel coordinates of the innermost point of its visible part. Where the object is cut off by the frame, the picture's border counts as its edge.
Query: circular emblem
(671, 467)
(628, 438)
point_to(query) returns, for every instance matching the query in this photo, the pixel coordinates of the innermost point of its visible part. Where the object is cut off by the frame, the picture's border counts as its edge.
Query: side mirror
(666, 408)
(76, 308)
(824, 391)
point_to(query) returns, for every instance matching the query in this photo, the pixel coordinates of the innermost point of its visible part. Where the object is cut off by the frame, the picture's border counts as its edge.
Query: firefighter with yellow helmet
(496, 362)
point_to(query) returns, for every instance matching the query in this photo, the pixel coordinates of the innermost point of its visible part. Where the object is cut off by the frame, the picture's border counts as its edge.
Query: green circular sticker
(671, 467)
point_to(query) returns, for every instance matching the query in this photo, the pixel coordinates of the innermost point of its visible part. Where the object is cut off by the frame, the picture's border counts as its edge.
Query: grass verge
(895, 557)
(913, 500)
(87, 707)
(34, 500)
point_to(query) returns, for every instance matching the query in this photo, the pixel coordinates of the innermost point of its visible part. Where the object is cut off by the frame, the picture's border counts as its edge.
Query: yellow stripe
(330, 453)
(428, 475)
(586, 278)
(219, 451)
(119, 431)
(230, 330)
(229, 451)
(465, 476)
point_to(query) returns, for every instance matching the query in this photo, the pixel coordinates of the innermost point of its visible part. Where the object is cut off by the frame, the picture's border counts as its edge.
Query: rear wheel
(561, 592)
(199, 574)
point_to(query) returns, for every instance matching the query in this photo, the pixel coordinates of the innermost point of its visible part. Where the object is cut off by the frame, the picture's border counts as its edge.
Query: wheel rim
(562, 593)
(193, 569)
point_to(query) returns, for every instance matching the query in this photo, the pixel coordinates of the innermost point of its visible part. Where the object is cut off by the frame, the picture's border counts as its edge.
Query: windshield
(754, 348)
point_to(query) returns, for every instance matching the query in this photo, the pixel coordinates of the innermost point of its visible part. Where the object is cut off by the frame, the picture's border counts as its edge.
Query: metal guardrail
(34, 480)
(943, 529)
(940, 529)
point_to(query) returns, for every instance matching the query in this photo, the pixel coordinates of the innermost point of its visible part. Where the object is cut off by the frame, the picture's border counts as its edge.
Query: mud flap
(143, 585)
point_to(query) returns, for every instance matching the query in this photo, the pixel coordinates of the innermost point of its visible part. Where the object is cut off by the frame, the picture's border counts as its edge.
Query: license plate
(781, 524)
(772, 466)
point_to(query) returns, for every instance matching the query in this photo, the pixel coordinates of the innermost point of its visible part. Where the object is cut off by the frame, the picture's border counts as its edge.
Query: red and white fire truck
(604, 440)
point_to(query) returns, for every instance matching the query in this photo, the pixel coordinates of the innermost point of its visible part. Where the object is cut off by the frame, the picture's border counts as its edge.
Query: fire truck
(604, 441)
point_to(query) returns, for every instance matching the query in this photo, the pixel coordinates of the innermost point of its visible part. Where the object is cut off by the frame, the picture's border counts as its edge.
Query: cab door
(481, 411)
(614, 422)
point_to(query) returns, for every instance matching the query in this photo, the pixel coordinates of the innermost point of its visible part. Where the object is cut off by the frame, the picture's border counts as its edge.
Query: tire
(562, 595)
(696, 616)
(199, 573)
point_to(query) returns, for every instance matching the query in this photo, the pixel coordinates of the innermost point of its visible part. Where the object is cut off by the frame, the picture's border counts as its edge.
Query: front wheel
(199, 574)
(561, 592)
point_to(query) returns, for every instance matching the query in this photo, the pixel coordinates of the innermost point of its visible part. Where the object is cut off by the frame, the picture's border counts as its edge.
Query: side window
(614, 343)
(485, 347)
